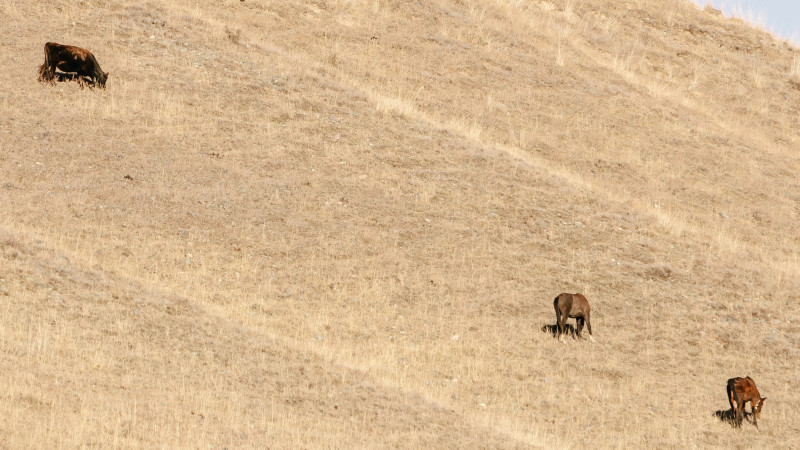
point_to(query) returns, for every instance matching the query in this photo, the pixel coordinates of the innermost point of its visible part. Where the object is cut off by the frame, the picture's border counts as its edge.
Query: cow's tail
(45, 74)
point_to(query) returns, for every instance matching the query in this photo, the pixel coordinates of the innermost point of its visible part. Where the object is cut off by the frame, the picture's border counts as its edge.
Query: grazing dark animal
(741, 391)
(572, 306)
(70, 59)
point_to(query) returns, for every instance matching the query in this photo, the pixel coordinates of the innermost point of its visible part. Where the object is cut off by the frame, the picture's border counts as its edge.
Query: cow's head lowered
(101, 79)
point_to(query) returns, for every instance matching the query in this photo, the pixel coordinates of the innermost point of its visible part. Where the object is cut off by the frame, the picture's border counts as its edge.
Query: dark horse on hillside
(569, 306)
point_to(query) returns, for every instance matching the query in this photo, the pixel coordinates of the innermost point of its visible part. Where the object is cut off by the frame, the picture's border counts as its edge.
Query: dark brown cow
(741, 391)
(71, 59)
(572, 306)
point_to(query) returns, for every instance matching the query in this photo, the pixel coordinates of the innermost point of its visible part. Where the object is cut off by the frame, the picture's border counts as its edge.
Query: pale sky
(781, 17)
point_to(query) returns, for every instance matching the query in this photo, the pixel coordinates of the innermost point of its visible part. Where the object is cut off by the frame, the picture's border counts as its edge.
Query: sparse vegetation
(343, 223)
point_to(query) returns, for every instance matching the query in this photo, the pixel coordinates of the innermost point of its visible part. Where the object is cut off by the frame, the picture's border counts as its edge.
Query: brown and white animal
(741, 391)
(71, 59)
(570, 306)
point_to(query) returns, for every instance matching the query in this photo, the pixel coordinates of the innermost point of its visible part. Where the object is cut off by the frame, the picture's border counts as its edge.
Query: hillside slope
(342, 224)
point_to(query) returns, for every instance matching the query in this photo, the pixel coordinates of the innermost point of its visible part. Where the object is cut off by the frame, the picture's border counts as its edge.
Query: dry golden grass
(342, 224)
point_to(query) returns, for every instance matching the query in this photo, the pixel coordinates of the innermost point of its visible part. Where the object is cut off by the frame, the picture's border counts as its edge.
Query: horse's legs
(753, 413)
(558, 320)
(730, 400)
(739, 413)
(562, 325)
(754, 421)
(589, 326)
(735, 406)
(579, 321)
(588, 323)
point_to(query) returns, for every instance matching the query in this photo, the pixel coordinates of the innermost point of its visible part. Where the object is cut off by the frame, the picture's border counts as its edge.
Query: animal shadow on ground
(569, 330)
(81, 80)
(729, 416)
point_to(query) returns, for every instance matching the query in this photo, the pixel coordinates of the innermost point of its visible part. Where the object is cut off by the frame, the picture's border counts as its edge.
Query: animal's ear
(106, 74)
(763, 398)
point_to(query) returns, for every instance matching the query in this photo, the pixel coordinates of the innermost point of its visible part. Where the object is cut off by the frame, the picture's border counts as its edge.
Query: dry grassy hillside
(341, 223)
